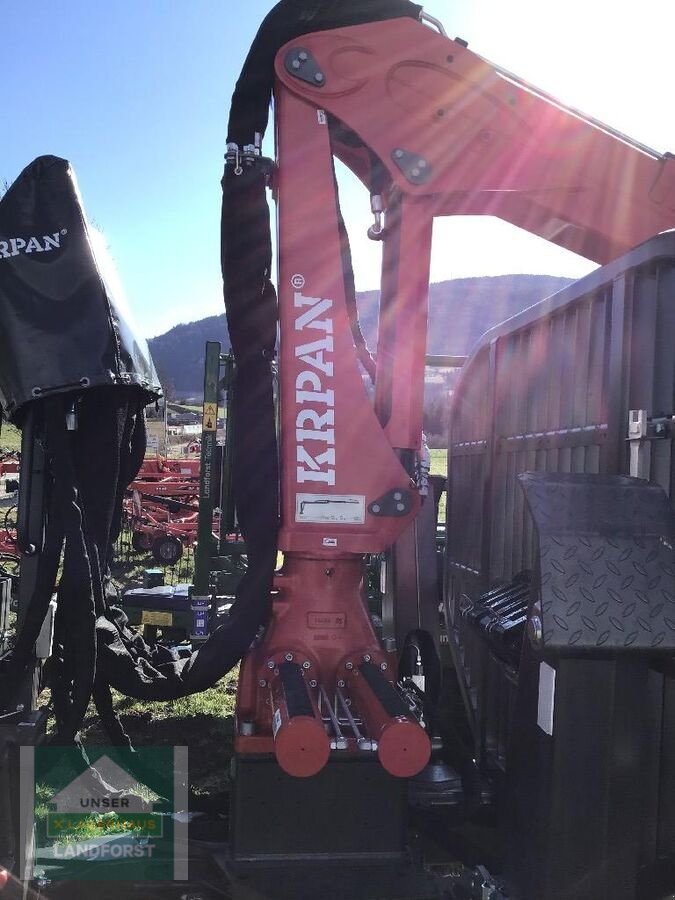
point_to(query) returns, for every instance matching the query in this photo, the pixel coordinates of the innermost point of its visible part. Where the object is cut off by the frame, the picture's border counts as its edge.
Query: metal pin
(363, 742)
(340, 742)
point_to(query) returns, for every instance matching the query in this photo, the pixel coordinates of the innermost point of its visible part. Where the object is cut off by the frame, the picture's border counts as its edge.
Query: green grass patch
(439, 462)
(439, 466)
(204, 723)
(10, 437)
(184, 407)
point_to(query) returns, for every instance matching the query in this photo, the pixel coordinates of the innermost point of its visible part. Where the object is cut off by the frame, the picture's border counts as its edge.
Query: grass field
(203, 722)
(439, 462)
(10, 437)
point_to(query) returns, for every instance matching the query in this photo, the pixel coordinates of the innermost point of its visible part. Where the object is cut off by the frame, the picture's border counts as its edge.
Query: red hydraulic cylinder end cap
(301, 746)
(404, 748)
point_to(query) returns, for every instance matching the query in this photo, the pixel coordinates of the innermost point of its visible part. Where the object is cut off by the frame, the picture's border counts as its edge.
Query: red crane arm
(449, 126)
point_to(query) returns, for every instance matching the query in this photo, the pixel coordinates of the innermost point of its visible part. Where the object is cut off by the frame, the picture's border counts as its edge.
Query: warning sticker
(210, 417)
(348, 509)
(152, 617)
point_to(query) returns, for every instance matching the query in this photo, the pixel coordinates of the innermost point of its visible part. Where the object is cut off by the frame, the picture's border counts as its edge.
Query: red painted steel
(332, 444)
(493, 146)
(455, 136)
(322, 623)
(403, 747)
(301, 744)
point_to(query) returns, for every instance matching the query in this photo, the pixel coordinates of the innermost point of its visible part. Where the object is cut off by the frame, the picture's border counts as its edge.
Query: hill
(459, 312)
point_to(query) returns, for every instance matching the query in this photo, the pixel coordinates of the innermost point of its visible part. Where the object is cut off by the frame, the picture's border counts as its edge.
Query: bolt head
(398, 154)
(398, 495)
(313, 682)
(295, 63)
(349, 665)
(340, 683)
(415, 172)
(384, 666)
(400, 507)
(366, 658)
(262, 683)
(376, 507)
(422, 163)
(302, 56)
(289, 657)
(318, 77)
(306, 664)
(270, 663)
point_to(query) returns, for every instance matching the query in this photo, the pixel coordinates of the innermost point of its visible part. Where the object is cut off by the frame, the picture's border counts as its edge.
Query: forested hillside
(459, 312)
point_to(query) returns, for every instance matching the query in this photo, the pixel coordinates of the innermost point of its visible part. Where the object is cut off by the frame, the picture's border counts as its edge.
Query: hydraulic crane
(431, 129)
(327, 732)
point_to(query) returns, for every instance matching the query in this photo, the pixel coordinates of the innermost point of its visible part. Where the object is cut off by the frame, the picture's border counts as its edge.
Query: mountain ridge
(460, 311)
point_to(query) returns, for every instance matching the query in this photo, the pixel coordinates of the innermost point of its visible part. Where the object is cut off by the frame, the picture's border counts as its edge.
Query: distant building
(184, 418)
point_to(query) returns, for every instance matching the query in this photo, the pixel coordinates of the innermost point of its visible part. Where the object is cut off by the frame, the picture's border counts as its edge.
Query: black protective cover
(61, 326)
(606, 563)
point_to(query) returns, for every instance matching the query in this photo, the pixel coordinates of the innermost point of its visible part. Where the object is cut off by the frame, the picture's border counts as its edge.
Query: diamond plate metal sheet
(607, 570)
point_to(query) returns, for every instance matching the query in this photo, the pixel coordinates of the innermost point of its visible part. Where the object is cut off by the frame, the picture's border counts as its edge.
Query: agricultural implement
(166, 524)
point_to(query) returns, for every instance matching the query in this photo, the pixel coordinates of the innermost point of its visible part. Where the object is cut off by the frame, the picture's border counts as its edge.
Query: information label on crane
(330, 508)
(210, 417)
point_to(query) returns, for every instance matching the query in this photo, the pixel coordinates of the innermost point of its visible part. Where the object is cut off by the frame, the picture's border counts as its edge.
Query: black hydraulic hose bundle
(75, 375)
(83, 401)
(72, 365)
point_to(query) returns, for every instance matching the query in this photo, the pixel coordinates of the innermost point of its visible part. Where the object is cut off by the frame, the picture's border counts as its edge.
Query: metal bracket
(416, 169)
(300, 63)
(395, 503)
(641, 431)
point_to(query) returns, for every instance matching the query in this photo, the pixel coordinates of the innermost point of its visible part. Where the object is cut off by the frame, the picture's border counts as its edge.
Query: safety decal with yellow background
(210, 417)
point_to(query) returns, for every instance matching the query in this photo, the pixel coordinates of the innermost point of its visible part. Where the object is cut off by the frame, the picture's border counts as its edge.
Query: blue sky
(136, 94)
